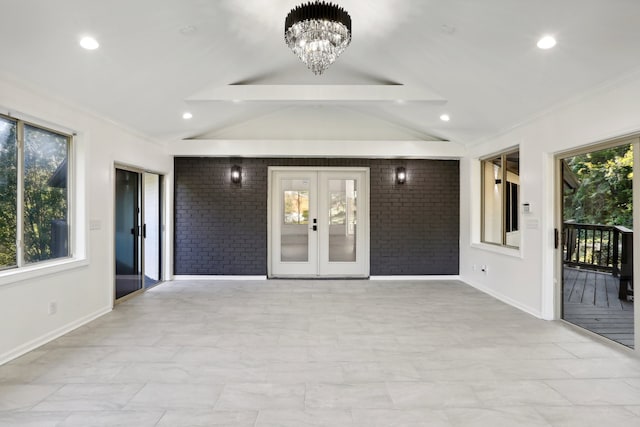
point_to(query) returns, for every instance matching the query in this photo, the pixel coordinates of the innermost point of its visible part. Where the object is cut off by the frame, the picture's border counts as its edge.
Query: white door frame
(162, 237)
(364, 206)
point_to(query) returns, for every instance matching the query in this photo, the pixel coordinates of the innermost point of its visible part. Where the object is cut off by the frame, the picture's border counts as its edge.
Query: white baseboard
(188, 277)
(452, 277)
(40, 341)
(505, 299)
(220, 277)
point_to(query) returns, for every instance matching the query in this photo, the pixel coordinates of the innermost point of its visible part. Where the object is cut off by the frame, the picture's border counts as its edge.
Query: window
(34, 195)
(500, 199)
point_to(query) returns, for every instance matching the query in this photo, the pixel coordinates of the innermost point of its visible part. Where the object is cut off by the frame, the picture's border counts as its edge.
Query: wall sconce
(401, 175)
(498, 181)
(236, 174)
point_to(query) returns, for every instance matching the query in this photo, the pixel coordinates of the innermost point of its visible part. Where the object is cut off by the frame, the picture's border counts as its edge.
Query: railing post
(616, 241)
(626, 266)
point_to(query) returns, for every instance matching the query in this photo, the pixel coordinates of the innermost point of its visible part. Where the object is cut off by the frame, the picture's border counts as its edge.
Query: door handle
(144, 231)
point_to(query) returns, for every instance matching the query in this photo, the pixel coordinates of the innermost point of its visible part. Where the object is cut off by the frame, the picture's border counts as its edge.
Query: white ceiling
(409, 62)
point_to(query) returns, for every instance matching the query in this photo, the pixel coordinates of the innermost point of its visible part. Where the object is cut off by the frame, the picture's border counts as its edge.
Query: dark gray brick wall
(221, 228)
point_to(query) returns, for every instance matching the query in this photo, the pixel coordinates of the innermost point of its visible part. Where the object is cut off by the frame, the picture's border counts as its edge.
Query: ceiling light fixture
(547, 42)
(445, 118)
(187, 115)
(317, 33)
(89, 43)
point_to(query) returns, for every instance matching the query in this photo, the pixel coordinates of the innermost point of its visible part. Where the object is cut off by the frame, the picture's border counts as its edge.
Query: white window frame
(76, 207)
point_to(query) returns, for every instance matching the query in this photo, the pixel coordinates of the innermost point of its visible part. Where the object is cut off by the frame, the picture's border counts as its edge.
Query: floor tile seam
(222, 390)
(628, 380)
(592, 404)
(164, 412)
(30, 408)
(133, 396)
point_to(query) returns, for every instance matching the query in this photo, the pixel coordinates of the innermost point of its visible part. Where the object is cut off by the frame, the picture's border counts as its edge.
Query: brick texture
(221, 227)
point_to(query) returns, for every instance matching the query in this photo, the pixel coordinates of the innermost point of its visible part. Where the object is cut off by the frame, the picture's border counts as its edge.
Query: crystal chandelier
(318, 33)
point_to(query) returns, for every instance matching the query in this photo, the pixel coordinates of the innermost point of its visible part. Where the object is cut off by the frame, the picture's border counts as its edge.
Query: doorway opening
(138, 231)
(318, 222)
(597, 241)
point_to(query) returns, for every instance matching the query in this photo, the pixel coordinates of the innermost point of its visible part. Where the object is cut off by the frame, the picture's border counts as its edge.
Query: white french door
(318, 222)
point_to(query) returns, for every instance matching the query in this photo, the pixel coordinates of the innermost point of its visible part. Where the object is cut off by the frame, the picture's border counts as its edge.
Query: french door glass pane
(8, 192)
(294, 238)
(342, 220)
(46, 231)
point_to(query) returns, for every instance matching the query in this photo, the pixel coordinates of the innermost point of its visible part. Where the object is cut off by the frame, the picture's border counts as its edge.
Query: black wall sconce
(401, 175)
(236, 174)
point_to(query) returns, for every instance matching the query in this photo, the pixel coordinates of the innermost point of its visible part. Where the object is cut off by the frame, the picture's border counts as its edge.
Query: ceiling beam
(337, 93)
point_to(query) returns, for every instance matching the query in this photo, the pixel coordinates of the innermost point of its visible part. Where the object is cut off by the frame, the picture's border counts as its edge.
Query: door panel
(342, 245)
(314, 223)
(152, 228)
(127, 233)
(597, 240)
(295, 242)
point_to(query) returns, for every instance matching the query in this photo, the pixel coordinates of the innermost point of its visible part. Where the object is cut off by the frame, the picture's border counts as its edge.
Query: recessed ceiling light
(445, 118)
(547, 42)
(89, 43)
(187, 115)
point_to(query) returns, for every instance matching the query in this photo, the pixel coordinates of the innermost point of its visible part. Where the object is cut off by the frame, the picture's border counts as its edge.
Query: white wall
(86, 290)
(525, 277)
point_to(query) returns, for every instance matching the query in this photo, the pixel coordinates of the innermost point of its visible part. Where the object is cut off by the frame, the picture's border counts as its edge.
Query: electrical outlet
(53, 308)
(484, 269)
(474, 267)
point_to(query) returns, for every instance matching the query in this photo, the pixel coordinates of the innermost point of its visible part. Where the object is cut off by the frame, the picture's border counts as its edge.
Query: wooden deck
(591, 301)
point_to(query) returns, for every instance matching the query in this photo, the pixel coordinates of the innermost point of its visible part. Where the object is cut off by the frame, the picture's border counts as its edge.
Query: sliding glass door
(127, 233)
(138, 231)
(597, 237)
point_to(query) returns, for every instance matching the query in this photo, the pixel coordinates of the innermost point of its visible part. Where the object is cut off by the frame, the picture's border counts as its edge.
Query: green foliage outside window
(8, 188)
(45, 195)
(605, 193)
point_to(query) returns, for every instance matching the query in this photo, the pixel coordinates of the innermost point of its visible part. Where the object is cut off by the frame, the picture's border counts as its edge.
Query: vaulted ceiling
(410, 61)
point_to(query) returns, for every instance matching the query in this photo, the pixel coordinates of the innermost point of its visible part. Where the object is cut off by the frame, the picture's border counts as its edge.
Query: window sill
(502, 250)
(8, 277)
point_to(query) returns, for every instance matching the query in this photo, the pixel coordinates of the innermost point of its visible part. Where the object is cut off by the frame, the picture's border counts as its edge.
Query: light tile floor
(321, 353)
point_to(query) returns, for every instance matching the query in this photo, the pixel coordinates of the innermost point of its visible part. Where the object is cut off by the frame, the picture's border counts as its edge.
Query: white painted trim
(378, 278)
(505, 299)
(418, 149)
(425, 277)
(216, 277)
(48, 337)
(502, 250)
(44, 268)
(325, 92)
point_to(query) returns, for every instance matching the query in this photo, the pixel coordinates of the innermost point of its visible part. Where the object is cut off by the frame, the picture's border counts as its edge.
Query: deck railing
(598, 247)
